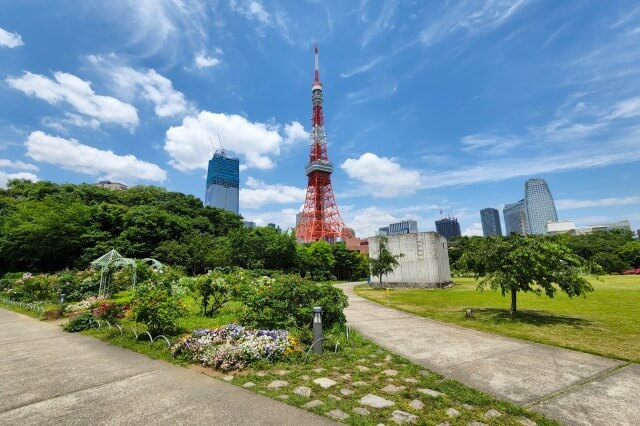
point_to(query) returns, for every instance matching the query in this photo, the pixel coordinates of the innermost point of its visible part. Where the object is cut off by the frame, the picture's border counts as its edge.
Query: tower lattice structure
(320, 219)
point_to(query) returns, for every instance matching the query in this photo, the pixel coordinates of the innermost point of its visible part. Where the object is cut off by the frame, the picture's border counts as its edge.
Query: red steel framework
(320, 218)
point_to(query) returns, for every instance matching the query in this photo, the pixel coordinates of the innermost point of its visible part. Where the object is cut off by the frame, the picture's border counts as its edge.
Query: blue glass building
(223, 182)
(539, 205)
(515, 218)
(490, 222)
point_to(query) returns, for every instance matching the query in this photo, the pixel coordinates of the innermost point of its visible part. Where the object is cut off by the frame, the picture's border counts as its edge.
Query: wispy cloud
(567, 204)
(363, 68)
(382, 22)
(489, 144)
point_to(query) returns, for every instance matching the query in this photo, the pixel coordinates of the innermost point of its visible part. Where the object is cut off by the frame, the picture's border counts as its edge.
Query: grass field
(606, 322)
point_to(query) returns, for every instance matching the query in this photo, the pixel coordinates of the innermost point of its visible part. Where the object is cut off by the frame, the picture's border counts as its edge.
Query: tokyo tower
(320, 218)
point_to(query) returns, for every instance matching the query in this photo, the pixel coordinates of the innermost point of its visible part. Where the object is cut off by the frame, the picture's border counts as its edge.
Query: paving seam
(581, 383)
(93, 386)
(35, 340)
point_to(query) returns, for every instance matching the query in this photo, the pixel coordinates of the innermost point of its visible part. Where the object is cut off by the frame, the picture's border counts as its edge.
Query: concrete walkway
(572, 387)
(49, 377)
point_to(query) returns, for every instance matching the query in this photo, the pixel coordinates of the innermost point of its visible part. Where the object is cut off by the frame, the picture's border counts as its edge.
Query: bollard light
(62, 296)
(317, 330)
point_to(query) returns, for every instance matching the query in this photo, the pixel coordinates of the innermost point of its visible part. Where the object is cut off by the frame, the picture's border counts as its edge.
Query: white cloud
(285, 218)
(363, 68)
(10, 40)
(566, 204)
(70, 119)
(203, 60)
(72, 155)
(382, 23)
(475, 230)
(69, 89)
(366, 222)
(382, 176)
(6, 177)
(146, 84)
(258, 193)
(626, 109)
(252, 10)
(188, 145)
(470, 17)
(17, 165)
(488, 143)
(294, 132)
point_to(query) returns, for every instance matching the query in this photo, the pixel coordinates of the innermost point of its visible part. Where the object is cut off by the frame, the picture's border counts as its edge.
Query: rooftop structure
(116, 186)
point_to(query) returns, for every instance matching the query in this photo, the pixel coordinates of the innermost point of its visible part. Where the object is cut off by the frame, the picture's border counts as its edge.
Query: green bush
(35, 288)
(158, 309)
(82, 322)
(287, 302)
(8, 279)
(610, 262)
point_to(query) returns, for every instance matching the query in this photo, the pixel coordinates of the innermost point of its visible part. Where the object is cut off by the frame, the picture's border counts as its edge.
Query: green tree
(610, 262)
(316, 260)
(630, 253)
(349, 265)
(386, 261)
(527, 264)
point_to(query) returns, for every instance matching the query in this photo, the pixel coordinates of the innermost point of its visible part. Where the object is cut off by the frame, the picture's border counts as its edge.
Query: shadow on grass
(501, 316)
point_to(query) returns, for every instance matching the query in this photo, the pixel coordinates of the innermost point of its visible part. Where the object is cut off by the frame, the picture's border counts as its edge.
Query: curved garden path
(52, 377)
(572, 387)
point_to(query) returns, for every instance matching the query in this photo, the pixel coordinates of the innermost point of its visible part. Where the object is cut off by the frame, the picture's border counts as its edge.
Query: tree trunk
(514, 293)
(380, 279)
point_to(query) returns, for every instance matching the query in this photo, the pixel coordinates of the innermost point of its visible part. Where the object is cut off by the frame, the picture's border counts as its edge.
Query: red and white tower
(320, 219)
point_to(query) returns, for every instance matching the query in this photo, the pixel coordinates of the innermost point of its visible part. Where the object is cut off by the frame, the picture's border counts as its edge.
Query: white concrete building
(569, 227)
(424, 264)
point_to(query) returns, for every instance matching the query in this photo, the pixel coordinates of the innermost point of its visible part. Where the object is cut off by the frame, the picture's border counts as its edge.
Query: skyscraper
(223, 181)
(539, 205)
(515, 218)
(448, 228)
(490, 222)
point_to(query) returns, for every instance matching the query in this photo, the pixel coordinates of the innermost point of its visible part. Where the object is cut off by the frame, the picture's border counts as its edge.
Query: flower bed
(232, 347)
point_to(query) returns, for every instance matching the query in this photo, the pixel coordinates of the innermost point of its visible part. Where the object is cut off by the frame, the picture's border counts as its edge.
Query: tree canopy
(386, 261)
(526, 263)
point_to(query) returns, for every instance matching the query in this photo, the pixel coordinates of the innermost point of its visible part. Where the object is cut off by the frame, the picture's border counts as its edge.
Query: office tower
(539, 206)
(223, 181)
(448, 227)
(490, 222)
(515, 218)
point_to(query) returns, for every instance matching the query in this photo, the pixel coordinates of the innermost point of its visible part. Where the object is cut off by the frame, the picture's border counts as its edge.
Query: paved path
(573, 387)
(49, 377)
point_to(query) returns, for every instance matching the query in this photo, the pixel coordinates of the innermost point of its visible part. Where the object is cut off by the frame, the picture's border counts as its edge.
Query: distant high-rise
(490, 222)
(223, 181)
(515, 218)
(448, 228)
(539, 206)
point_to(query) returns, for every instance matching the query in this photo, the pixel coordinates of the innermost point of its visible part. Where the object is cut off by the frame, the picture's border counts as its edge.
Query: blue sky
(429, 105)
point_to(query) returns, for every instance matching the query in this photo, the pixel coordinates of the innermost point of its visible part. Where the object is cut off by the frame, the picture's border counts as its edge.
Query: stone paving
(573, 387)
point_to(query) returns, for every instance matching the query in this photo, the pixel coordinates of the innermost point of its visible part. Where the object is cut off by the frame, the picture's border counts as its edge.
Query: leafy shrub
(158, 308)
(232, 347)
(610, 262)
(8, 279)
(110, 312)
(83, 322)
(31, 288)
(287, 302)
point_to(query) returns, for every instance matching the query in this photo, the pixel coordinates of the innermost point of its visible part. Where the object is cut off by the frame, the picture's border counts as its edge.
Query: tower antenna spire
(317, 64)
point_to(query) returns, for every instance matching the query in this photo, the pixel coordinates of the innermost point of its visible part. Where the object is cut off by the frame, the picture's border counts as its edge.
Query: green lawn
(606, 322)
